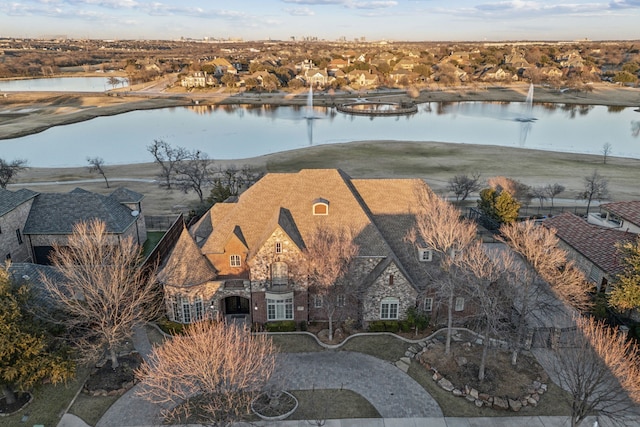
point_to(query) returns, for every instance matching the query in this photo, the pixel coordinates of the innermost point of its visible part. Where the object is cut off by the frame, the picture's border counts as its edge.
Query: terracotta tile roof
(629, 211)
(185, 265)
(595, 243)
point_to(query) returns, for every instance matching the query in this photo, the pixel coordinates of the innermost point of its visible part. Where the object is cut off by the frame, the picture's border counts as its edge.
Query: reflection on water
(242, 131)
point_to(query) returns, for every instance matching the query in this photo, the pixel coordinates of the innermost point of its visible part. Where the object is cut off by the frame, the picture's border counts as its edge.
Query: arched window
(321, 207)
(389, 308)
(279, 273)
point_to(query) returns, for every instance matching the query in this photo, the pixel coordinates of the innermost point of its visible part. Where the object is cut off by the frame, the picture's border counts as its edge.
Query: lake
(60, 84)
(240, 131)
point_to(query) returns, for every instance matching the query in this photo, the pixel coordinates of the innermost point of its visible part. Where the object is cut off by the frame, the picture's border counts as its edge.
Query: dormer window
(321, 207)
(425, 255)
(234, 261)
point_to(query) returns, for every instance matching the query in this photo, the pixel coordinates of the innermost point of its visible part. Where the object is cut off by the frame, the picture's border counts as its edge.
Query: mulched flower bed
(105, 380)
(22, 399)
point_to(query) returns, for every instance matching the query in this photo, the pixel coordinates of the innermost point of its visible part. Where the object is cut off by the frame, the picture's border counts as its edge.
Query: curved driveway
(392, 392)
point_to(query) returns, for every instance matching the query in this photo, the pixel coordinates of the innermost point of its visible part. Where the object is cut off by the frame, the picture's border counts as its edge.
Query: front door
(236, 305)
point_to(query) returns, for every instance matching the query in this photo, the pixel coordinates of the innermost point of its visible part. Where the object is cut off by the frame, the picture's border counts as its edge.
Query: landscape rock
(437, 376)
(456, 392)
(478, 403)
(474, 393)
(461, 361)
(445, 384)
(499, 402)
(532, 401)
(515, 405)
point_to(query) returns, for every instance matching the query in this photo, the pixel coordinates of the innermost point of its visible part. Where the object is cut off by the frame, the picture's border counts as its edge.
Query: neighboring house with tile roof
(592, 247)
(38, 220)
(14, 209)
(242, 257)
(624, 216)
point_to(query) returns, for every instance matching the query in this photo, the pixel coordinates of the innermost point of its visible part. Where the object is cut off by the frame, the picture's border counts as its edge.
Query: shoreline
(49, 109)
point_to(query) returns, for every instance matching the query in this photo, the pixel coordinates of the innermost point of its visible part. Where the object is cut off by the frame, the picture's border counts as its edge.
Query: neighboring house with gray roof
(241, 258)
(38, 220)
(14, 209)
(591, 247)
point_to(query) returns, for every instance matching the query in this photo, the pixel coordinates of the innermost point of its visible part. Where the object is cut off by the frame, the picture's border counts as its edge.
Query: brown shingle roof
(257, 207)
(629, 211)
(595, 243)
(186, 266)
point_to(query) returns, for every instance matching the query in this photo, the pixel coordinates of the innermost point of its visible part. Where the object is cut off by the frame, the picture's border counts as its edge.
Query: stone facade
(390, 284)
(10, 224)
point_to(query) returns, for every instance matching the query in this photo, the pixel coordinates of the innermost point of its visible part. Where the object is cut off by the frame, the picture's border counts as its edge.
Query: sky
(393, 20)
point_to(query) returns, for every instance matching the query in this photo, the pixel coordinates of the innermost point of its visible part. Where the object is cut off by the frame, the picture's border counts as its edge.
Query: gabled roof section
(9, 200)
(185, 265)
(595, 243)
(237, 233)
(285, 222)
(57, 213)
(257, 207)
(124, 195)
(629, 211)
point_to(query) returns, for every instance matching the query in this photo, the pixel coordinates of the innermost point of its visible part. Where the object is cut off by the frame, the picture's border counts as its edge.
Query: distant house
(591, 247)
(624, 216)
(241, 258)
(41, 220)
(197, 79)
(362, 78)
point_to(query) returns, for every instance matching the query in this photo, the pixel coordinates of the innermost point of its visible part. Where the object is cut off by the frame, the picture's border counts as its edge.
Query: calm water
(236, 132)
(62, 84)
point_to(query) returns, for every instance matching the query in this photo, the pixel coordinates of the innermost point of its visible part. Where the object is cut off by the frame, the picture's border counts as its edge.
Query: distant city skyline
(394, 20)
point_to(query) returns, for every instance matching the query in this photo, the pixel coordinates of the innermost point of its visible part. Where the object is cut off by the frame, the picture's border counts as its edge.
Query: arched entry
(236, 305)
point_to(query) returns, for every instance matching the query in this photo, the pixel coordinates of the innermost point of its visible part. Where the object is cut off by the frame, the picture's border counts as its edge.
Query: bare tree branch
(9, 170)
(167, 157)
(221, 366)
(95, 165)
(103, 292)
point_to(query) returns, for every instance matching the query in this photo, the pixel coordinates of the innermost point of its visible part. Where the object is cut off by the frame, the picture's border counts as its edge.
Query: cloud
(624, 4)
(317, 2)
(300, 11)
(373, 4)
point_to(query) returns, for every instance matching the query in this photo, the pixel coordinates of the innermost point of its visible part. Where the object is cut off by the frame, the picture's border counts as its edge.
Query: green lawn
(153, 237)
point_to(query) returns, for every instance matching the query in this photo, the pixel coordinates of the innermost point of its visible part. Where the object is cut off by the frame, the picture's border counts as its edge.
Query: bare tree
(600, 370)
(221, 367)
(488, 274)
(113, 81)
(539, 193)
(168, 158)
(543, 259)
(606, 151)
(595, 187)
(463, 185)
(9, 170)
(440, 229)
(517, 189)
(194, 173)
(95, 165)
(103, 291)
(553, 190)
(328, 255)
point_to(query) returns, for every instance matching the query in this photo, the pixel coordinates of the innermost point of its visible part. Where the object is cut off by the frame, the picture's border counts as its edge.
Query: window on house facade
(279, 273)
(340, 300)
(280, 309)
(186, 310)
(234, 260)
(198, 309)
(8, 257)
(425, 255)
(278, 247)
(428, 304)
(459, 305)
(389, 308)
(391, 280)
(317, 301)
(19, 236)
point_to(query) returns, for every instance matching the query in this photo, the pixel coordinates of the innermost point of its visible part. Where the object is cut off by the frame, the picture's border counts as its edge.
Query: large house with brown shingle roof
(591, 247)
(240, 259)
